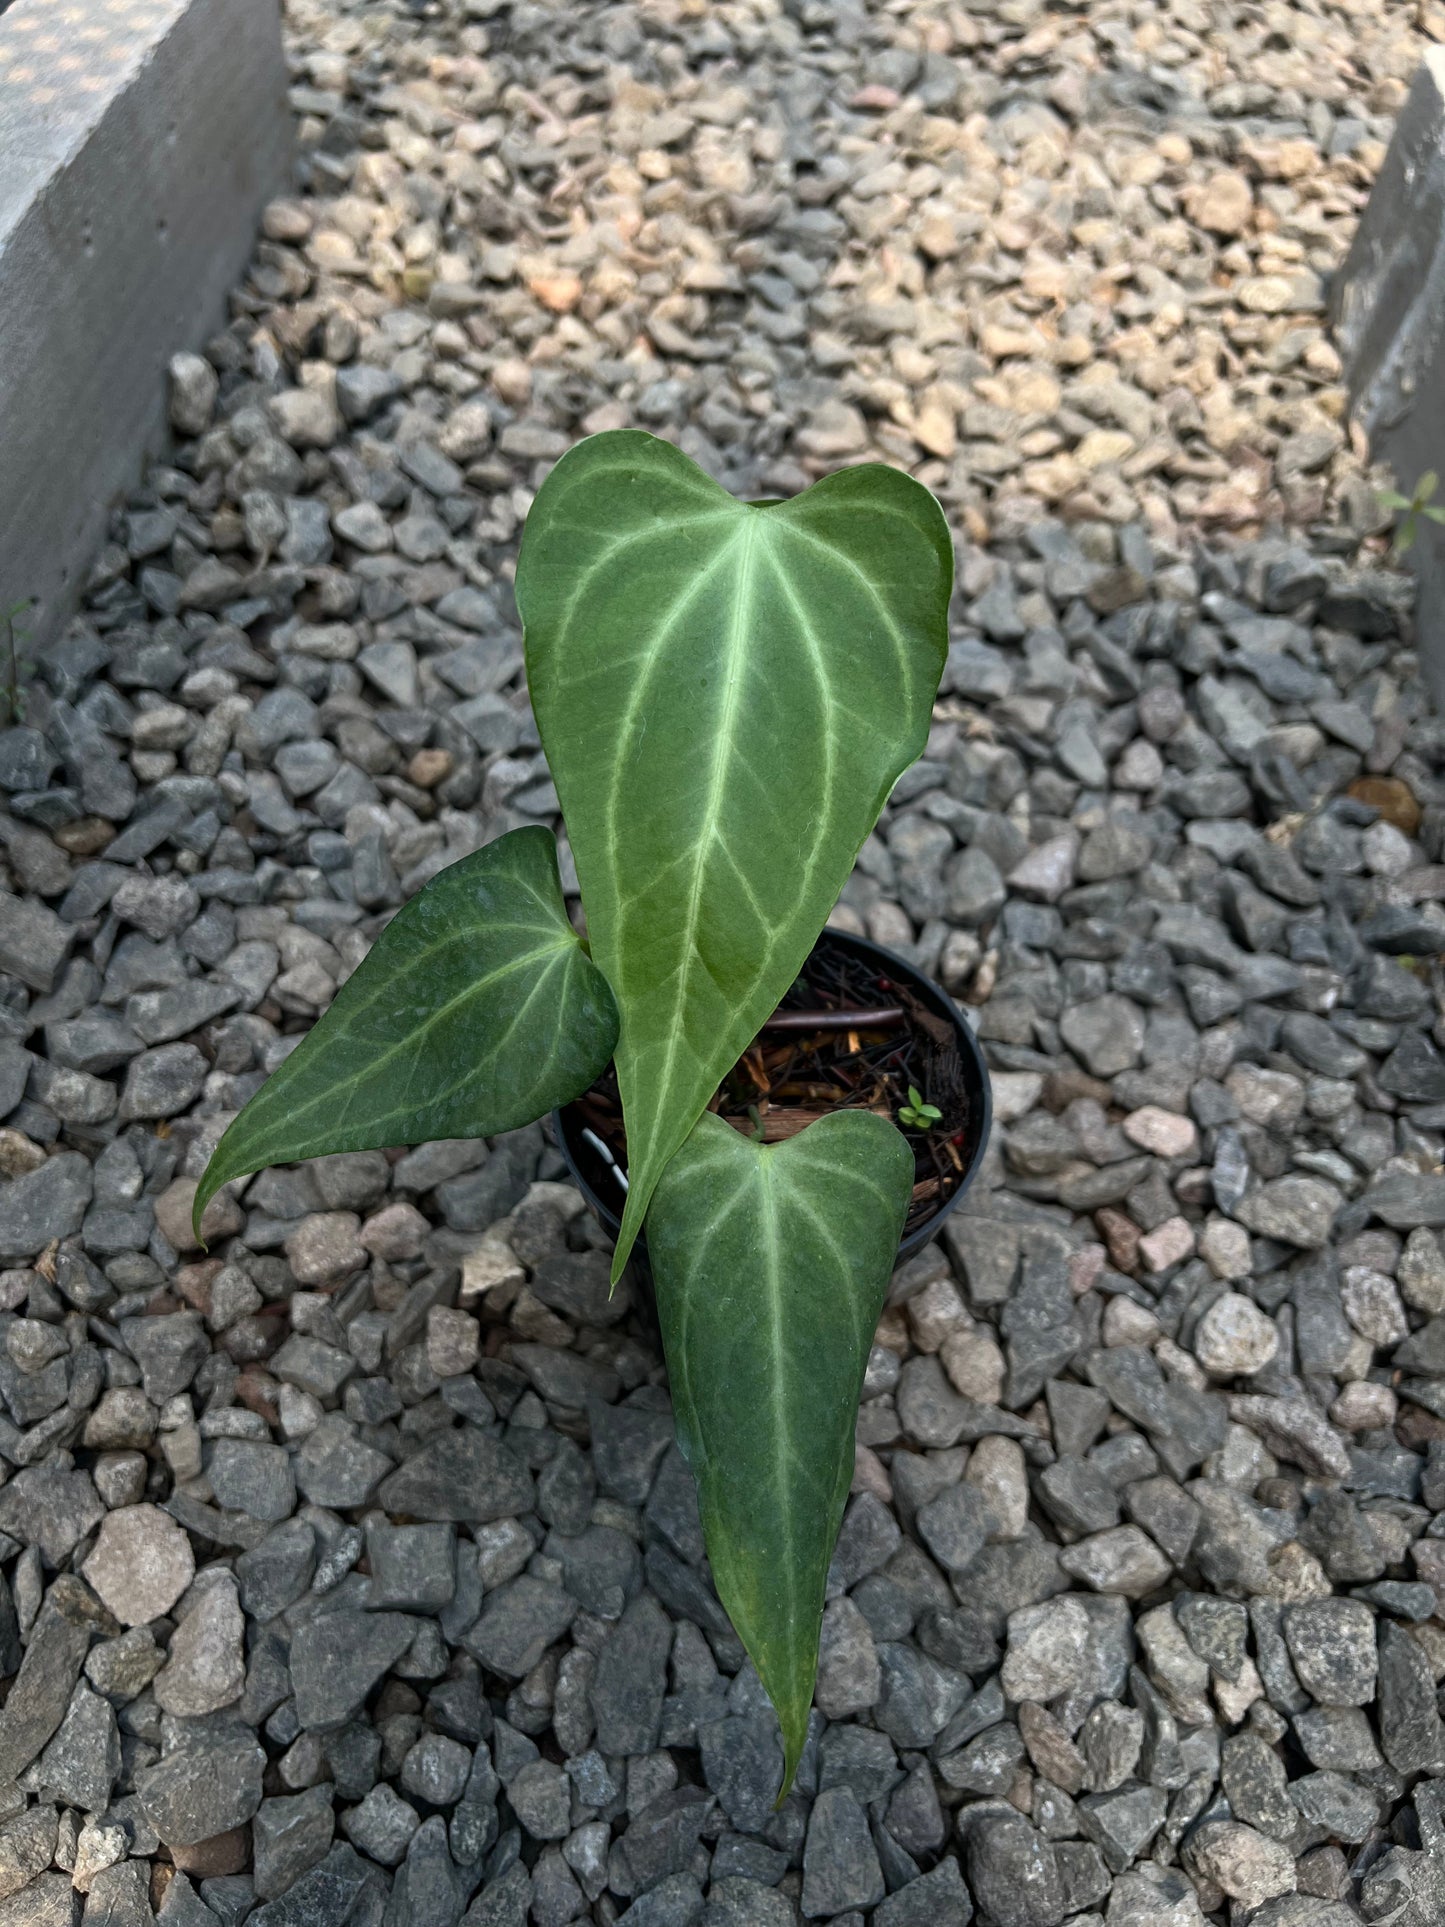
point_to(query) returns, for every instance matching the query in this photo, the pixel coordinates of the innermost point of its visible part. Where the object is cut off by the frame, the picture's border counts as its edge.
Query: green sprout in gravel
(727, 693)
(915, 1115)
(1412, 508)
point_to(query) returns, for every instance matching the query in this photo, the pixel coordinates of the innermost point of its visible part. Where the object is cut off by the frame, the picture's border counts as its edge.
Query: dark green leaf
(727, 691)
(771, 1265)
(476, 1010)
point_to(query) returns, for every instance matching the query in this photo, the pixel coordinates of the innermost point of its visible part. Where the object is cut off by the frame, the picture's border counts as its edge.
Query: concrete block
(139, 141)
(1388, 309)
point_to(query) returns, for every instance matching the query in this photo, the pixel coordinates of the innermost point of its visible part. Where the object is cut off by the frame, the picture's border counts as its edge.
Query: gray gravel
(349, 1576)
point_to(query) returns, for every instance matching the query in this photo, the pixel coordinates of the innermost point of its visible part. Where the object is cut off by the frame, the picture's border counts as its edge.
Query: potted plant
(726, 693)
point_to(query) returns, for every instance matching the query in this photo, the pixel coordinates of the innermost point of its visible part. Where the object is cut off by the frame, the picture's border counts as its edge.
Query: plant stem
(10, 688)
(887, 1017)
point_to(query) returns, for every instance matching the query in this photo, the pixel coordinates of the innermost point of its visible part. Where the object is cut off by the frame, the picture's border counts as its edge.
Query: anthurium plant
(726, 692)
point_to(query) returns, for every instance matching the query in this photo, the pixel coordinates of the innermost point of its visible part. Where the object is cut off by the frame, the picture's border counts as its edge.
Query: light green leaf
(476, 1010)
(771, 1265)
(726, 691)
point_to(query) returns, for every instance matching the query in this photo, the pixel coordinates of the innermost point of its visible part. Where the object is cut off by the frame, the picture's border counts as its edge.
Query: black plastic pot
(596, 1179)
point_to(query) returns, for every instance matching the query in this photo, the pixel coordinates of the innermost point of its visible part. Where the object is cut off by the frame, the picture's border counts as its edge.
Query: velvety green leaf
(475, 1011)
(771, 1266)
(726, 691)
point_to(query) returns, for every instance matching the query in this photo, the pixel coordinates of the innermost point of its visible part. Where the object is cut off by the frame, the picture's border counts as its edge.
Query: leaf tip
(205, 1191)
(793, 1720)
(627, 1232)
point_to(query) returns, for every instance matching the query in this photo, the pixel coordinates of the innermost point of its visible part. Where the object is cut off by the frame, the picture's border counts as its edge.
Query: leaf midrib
(717, 785)
(783, 1444)
(651, 656)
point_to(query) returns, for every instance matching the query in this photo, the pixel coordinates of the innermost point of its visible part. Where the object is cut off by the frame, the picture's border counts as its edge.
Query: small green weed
(1412, 507)
(916, 1114)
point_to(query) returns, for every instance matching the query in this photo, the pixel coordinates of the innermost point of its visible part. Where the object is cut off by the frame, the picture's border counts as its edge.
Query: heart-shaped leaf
(771, 1266)
(475, 1011)
(726, 691)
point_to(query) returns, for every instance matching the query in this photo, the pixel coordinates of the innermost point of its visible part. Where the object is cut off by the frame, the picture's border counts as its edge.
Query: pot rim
(969, 1050)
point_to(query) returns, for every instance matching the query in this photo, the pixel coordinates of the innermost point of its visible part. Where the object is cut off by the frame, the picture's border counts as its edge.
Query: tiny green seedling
(1412, 507)
(727, 693)
(915, 1115)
